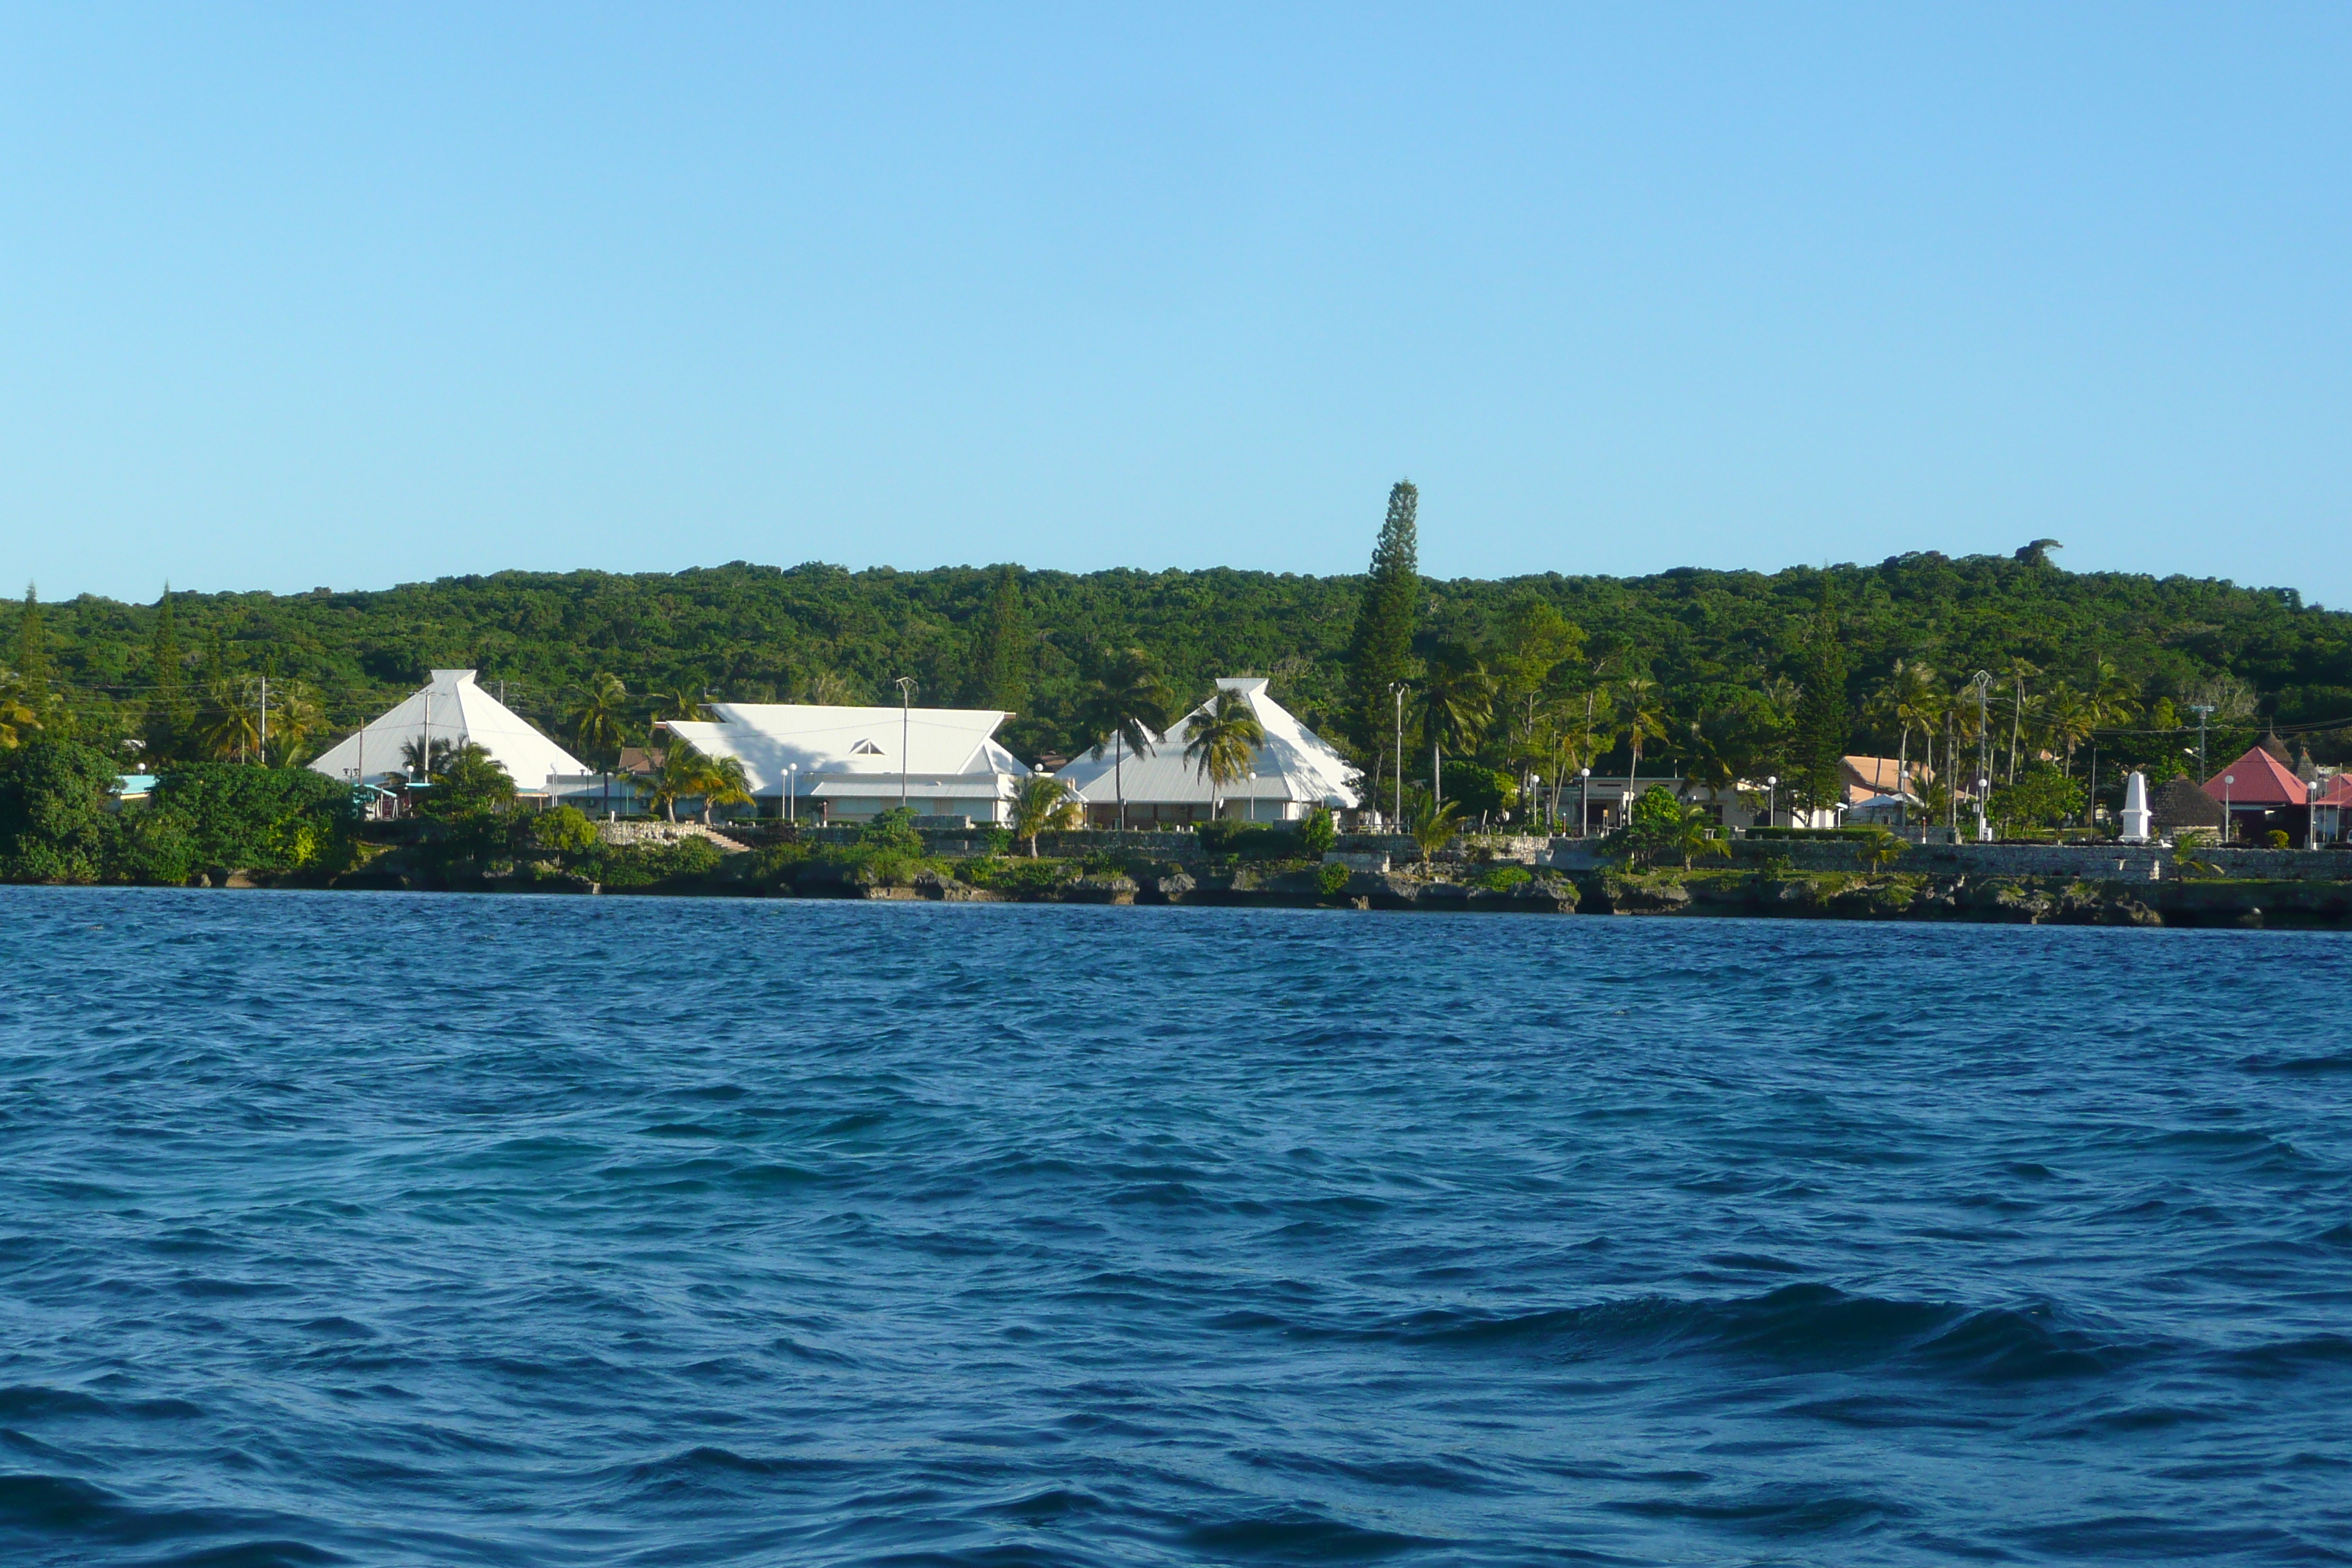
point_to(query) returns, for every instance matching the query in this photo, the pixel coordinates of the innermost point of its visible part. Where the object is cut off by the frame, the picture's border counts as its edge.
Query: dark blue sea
(397, 1229)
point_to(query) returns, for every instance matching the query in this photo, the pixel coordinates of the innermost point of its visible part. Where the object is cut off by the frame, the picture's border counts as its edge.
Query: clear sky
(353, 295)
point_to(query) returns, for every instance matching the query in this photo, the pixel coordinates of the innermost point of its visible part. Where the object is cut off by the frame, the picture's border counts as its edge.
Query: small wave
(2282, 1357)
(1299, 1537)
(32, 1400)
(1778, 1513)
(1811, 1325)
(55, 1502)
(2339, 1061)
(1046, 1506)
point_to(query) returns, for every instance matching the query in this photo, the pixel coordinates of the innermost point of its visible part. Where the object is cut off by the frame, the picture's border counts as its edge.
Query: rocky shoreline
(1890, 896)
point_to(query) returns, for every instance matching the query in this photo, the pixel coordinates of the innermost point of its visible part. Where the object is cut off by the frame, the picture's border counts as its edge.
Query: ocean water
(395, 1229)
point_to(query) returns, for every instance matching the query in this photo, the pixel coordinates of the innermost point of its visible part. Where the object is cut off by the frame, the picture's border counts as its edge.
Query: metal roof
(1294, 763)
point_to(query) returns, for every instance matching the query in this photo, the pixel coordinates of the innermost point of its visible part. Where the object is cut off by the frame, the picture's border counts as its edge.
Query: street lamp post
(905, 684)
(1982, 682)
(1535, 790)
(1397, 691)
(1772, 800)
(791, 794)
(2228, 826)
(1583, 802)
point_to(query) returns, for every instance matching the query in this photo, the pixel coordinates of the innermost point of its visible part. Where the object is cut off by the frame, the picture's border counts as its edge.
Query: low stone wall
(663, 832)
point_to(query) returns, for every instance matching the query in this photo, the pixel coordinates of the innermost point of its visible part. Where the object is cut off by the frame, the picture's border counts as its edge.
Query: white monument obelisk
(2135, 809)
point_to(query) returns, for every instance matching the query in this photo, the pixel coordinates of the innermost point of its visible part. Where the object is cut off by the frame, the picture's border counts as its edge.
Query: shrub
(2044, 797)
(1249, 840)
(1015, 876)
(566, 830)
(1332, 879)
(53, 810)
(1318, 832)
(1478, 789)
(650, 865)
(1502, 879)
(2278, 839)
(255, 819)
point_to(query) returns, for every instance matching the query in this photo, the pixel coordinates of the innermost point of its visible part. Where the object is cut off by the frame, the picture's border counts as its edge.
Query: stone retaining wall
(663, 832)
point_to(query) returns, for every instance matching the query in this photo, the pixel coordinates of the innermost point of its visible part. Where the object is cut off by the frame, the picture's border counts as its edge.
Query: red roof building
(2258, 781)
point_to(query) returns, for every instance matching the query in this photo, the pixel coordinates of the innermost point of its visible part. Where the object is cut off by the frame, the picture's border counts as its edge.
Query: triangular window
(865, 749)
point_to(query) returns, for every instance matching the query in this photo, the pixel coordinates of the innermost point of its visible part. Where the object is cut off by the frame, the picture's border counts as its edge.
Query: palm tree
(1221, 742)
(2014, 675)
(1128, 705)
(1457, 703)
(413, 757)
(596, 720)
(1641, 707)
(680, 703)
(227, 730)
(1694, 834)
(1041, 804)
(723, 782)
(1438, 827)
(1710, 754)
(596, 717)
(295, 715)
(2068, 718)
(1907, 697)
(684, 773)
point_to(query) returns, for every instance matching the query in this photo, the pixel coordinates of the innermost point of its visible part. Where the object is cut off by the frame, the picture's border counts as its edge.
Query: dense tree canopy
(1727, 650)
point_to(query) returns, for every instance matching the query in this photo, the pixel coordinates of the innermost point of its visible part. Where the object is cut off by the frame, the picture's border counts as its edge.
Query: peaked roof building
(851, 763)
(1294, 771)
(453, 709)
(2258, 779)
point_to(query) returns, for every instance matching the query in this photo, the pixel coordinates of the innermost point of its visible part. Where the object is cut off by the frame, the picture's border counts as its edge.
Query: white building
(452, 710)
(851, 764)
(1294, 771)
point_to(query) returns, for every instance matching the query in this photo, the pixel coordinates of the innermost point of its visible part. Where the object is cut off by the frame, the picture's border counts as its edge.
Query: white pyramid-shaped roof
(453, 709)
(767, 737)
(1294, 764)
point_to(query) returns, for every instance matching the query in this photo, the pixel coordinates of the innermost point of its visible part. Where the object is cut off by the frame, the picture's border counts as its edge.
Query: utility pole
(1397, 691)
(1983, 683)
(2200, 710)
(905, 684)
(265, 721)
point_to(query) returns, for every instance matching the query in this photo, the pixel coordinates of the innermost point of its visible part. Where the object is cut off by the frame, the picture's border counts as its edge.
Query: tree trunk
(1903, 777)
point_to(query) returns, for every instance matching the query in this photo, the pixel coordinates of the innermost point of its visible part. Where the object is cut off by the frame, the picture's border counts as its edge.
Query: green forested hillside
(1715, 643)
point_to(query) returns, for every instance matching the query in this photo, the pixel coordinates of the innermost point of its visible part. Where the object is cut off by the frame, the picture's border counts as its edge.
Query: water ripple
(348, 1228)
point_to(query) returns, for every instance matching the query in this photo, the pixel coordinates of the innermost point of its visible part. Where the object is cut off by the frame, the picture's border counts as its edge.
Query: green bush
(1479, 789)
(1332, 879)
(1502, 879)
(1020, 875)
(566, 830)
(247, 818)
(1318, 832)
(651, 865)
(2044, 797)
(1249, 840)
(53, 797)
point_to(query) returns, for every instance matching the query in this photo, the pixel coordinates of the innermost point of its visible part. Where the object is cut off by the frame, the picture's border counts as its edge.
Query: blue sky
(358, 295)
